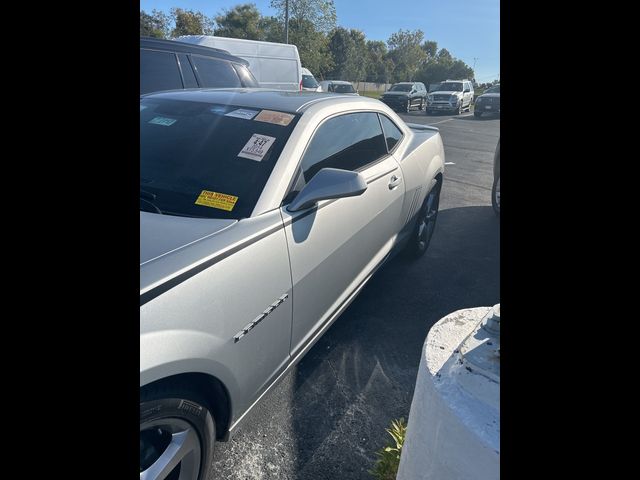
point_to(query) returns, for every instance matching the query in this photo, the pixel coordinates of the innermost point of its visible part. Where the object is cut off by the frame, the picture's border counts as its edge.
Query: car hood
(445, 93)
(395, 94)
(487, 95)
(161, 234)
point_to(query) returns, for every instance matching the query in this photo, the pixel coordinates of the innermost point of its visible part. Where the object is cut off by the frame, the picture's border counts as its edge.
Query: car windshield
(340, 88)
(309, 82)
(495, 89)
(450, 87)
(400, 88)
(207, 160)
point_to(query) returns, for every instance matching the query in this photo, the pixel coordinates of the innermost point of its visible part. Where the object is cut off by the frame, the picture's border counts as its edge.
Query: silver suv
(452, 95)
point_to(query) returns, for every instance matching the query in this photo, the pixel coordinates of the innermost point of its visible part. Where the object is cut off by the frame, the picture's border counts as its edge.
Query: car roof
(340, 82)
(183, 47)
(284, 101)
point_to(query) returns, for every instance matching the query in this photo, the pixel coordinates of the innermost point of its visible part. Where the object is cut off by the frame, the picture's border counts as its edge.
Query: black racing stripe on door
(178, 279)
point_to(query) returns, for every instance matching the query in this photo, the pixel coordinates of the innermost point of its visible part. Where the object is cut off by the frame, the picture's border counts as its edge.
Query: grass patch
(386, 466)
(371, 94)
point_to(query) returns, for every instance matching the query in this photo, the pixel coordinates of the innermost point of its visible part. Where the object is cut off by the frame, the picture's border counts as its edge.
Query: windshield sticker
(279, 118)
(221, 201)
(164, 121)
(257, 147)
(242, 113)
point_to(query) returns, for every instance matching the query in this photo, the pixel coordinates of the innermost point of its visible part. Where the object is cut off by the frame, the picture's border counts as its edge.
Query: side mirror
(326, 184)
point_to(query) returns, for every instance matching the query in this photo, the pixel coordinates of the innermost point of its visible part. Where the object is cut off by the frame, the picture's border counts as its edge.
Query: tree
(406, 53)
(312, 46)
(379, 65)
(357, 58)
(155, 24)
(272, 29)
(430, 48)
(340, 45)
(189, 22)
(243, 21)
(321, 13)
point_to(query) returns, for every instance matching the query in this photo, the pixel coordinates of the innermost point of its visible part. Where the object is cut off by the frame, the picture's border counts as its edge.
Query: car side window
(246, 76)
(158, 71)
(392, 133)
(349, 142)
(187, 72)
(215, 73)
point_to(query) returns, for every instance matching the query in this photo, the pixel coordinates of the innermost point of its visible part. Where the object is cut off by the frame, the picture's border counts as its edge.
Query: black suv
(169, 65)
(405, 95)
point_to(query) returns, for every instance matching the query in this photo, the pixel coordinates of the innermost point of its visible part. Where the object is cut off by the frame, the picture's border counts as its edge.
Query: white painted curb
(454, 423)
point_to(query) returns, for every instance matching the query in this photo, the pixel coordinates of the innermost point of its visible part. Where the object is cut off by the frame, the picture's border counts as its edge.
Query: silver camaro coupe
(262, 215)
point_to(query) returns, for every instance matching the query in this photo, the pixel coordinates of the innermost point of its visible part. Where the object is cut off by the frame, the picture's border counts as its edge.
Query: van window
(215, 73)
(158, 71)
(187, 72)
(309, 82)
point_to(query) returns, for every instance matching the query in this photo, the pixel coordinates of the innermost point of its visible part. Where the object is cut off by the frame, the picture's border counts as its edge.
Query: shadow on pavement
(485, 116)
(361, 373)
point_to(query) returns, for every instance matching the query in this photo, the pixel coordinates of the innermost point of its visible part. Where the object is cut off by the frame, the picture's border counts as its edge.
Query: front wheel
(177, 433)
(425, 224)
(458, 109)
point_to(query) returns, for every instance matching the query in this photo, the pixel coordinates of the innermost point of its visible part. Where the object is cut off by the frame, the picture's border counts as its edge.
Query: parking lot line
(449, 119)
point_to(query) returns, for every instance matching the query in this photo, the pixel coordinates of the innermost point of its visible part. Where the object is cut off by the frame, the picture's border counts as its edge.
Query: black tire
(477, 114)
(170, 411)
(458, 110)
(425, 224)
(495, 195)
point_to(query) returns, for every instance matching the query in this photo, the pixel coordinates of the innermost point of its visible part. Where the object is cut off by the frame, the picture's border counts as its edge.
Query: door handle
(394, 181)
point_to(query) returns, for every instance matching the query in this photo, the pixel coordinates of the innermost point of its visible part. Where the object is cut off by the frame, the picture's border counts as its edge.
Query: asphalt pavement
(326, 419)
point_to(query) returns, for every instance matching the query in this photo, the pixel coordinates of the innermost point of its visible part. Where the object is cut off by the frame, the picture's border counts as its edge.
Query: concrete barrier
(453, 431)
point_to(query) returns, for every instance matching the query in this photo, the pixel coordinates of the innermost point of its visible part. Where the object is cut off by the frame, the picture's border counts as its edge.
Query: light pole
(286, 21)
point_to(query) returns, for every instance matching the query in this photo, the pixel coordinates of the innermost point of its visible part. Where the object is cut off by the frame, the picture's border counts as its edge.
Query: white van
(309, 82)
(275, 65)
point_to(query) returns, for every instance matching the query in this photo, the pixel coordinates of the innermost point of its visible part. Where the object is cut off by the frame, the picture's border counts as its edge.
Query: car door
(336, 245)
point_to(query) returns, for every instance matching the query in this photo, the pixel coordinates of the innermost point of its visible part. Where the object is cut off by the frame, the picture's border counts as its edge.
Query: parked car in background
(169, 65)
(337, 86)
(262, 216)
(404, 96)
(495, 191)
(275, 65)
(452, 95)
(309, 82)
(488, 102)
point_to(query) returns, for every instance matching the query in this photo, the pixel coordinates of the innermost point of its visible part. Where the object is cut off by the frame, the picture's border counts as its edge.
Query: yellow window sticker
(271, 116)
(217, 200)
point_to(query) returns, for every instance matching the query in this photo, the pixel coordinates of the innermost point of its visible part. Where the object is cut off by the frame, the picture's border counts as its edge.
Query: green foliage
(328, 51)
(386, 466)
(243, 21)
(155, 24)
(189, 22)
(321, 13)
(406, 53)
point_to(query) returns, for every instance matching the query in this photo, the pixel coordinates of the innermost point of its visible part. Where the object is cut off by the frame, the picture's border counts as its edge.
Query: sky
(469, 29)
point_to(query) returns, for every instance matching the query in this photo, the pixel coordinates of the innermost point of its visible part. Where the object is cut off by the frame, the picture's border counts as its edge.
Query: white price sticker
(242, 113)
(257, 147)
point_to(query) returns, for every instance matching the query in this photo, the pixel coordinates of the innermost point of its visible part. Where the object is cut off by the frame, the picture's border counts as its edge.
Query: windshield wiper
(149, 198)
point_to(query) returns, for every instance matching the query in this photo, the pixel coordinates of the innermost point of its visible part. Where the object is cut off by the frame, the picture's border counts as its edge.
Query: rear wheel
(177, 433)
(495, 196)
(425, 224)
